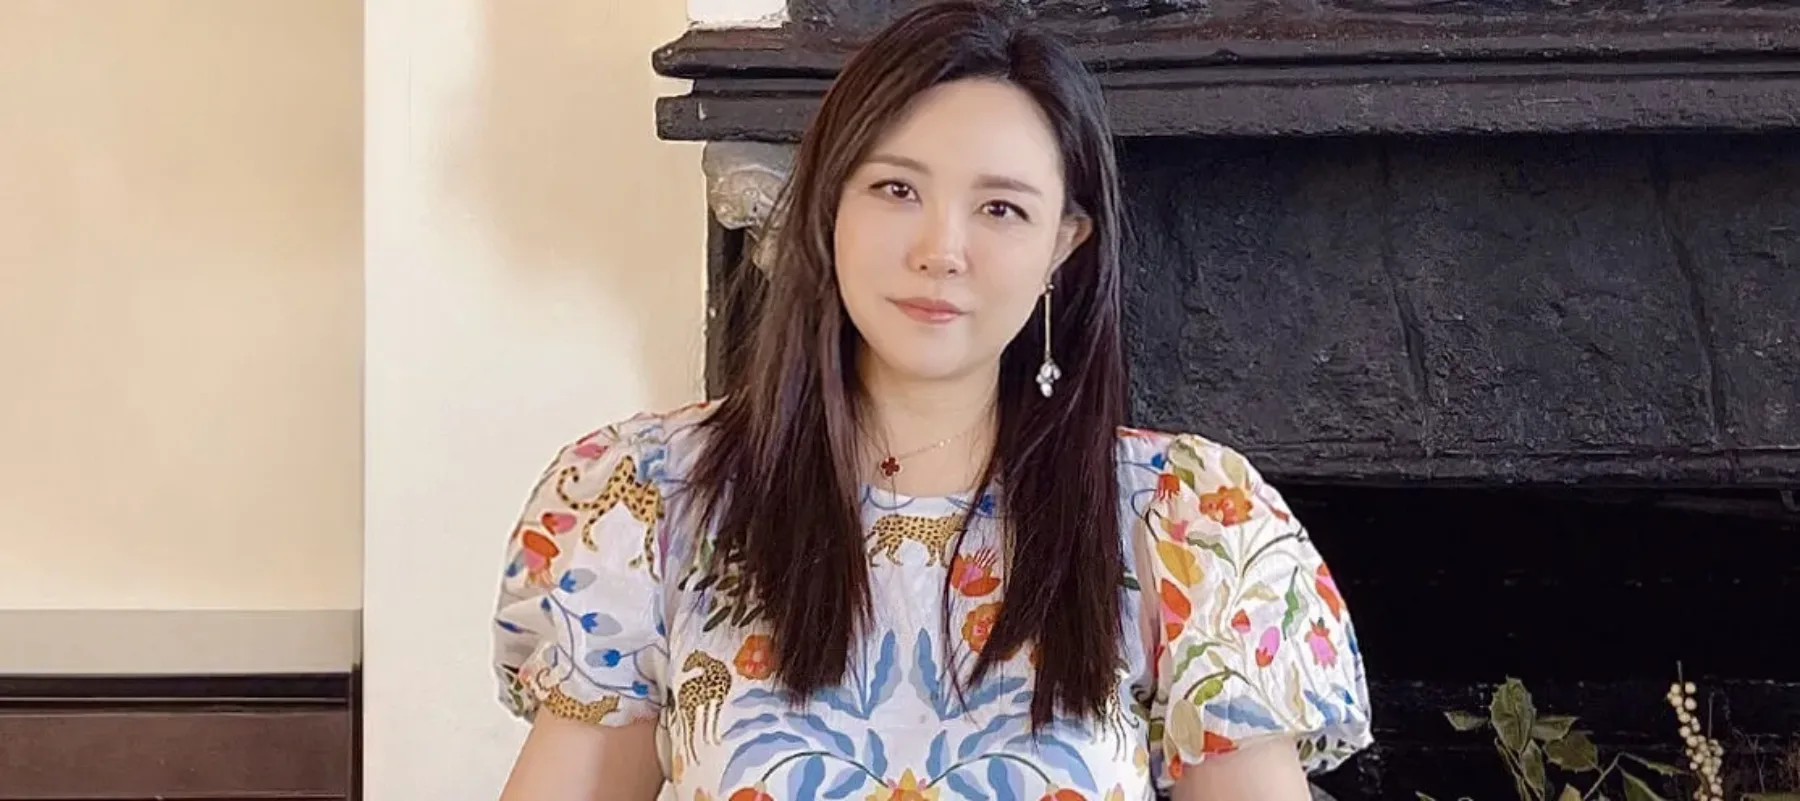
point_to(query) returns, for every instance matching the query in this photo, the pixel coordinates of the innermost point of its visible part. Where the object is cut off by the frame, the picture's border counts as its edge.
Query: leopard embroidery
(560, 704)
(701, 698)
(642, 498)
(935, 533)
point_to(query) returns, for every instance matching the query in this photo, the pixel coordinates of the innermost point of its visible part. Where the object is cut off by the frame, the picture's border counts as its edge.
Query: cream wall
(180, 315)
(736, 13)
(534, 267)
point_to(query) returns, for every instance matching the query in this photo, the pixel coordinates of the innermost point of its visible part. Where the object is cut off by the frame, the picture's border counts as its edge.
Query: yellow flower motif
(1117, 793)
(908, 789)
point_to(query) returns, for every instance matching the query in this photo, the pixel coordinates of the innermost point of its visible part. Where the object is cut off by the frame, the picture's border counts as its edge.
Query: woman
(798, 592)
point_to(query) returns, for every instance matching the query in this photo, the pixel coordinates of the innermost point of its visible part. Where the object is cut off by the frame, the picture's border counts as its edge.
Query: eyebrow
(984, 181)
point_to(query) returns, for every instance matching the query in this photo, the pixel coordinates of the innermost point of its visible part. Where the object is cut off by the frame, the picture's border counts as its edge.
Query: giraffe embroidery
(935, 533)
(701, 698)
(641, 497)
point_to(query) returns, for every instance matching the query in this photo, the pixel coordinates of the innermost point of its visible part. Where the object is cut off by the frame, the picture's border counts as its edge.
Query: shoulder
(1164, 467)
(657, 446)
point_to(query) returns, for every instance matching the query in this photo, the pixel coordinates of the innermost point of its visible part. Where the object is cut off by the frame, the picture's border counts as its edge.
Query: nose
(939, 249)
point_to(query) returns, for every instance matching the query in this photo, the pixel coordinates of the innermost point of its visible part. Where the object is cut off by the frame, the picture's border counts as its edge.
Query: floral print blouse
(602, 617)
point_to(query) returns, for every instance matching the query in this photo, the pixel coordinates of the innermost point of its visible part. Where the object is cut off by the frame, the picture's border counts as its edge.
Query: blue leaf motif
(1244, 710)
(990, 692)
(812, 774)
(758, 751)
(507, 626)
(886, 677)
(848, 782)
(965, 788)
(977, 743)
(876, 756)
(934, 761)
(1005, 778)
(925, 676)
(815, 726)
(600, 623)
(759, 697)
(839, 700)
(738, 728)
(575, 580)
(1329, 711)
(1060, 755)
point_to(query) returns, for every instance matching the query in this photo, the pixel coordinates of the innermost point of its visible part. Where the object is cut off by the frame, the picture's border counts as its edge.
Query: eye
(895, 190)
(1000, 210)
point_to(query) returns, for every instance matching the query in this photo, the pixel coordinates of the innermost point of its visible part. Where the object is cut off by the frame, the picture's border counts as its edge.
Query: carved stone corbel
(744, 181)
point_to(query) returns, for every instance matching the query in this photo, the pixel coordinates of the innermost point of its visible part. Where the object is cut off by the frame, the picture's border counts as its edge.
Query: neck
(904, 414)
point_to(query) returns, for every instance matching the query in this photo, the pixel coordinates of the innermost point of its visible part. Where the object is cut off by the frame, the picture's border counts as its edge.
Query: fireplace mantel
(1335, 67)
(1399, 242)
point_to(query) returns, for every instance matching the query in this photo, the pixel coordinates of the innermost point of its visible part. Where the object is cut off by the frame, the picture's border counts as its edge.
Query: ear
(1075, 229)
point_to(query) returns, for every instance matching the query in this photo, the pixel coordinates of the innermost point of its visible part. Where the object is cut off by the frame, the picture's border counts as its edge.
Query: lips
(929, 310)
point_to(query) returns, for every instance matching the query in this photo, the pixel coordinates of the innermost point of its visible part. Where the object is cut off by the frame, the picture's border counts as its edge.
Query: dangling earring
(1048, 372)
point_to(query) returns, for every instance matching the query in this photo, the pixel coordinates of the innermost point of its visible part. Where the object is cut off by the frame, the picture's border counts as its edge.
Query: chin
(921, 364)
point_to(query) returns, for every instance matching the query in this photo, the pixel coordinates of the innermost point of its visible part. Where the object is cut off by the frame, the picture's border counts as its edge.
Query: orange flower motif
(1240, 622)
(751, 794)
(1062, 794)
(979, 624)
(1216, 744)
(1328, 590)
(537, 555)
(1168, 485)
(1175, 607)
(973, 576)
(1176, 768)
(755, 660)
(1228, 505)
(907, 789)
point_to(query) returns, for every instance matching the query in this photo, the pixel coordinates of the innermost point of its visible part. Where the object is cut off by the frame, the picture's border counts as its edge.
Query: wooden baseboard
(180, 738)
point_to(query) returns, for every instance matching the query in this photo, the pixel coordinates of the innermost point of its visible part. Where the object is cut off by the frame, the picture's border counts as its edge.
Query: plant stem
(1603, 774)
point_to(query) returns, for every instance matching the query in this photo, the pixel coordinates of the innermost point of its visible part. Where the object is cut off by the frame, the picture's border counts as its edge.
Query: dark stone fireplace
(1504, 294)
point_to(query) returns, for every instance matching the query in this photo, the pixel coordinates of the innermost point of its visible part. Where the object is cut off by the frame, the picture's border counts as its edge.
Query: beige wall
(297, 297)
(180, 305)
(534, 264)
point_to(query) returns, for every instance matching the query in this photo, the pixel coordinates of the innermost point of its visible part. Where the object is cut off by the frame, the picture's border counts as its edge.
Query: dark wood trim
(179, 737)
(764, 85)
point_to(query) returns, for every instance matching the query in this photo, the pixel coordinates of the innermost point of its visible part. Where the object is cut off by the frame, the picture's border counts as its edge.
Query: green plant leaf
(1531, 763)
(1513, 714)
(1569, 793)
(1207, 689)
(1637, 790)
(1573, 752)
(1666, 770)
(1188, 656)
(1465, 721)
(1550, 728)
(1290, 619)
(1423, 797)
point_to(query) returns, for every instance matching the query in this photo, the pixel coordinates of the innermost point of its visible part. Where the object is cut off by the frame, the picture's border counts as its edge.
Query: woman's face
(949, 231)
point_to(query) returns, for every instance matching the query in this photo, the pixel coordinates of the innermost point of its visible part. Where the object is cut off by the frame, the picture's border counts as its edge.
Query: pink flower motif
(1271, 643)
(1319, 639)
(590, 450)
(557, 522)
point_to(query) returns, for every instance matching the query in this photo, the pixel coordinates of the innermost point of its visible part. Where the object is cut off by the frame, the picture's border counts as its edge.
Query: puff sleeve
(578, 625)
(1253, 639)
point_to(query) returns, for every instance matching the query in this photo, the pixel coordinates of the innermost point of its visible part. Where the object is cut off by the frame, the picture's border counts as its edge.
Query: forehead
(976, 125)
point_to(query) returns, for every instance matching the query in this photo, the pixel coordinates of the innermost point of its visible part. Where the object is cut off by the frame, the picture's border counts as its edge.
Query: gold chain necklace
(890, 466)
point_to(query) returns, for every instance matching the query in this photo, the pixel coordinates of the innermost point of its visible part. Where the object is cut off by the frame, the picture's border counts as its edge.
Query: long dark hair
(779, 480)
